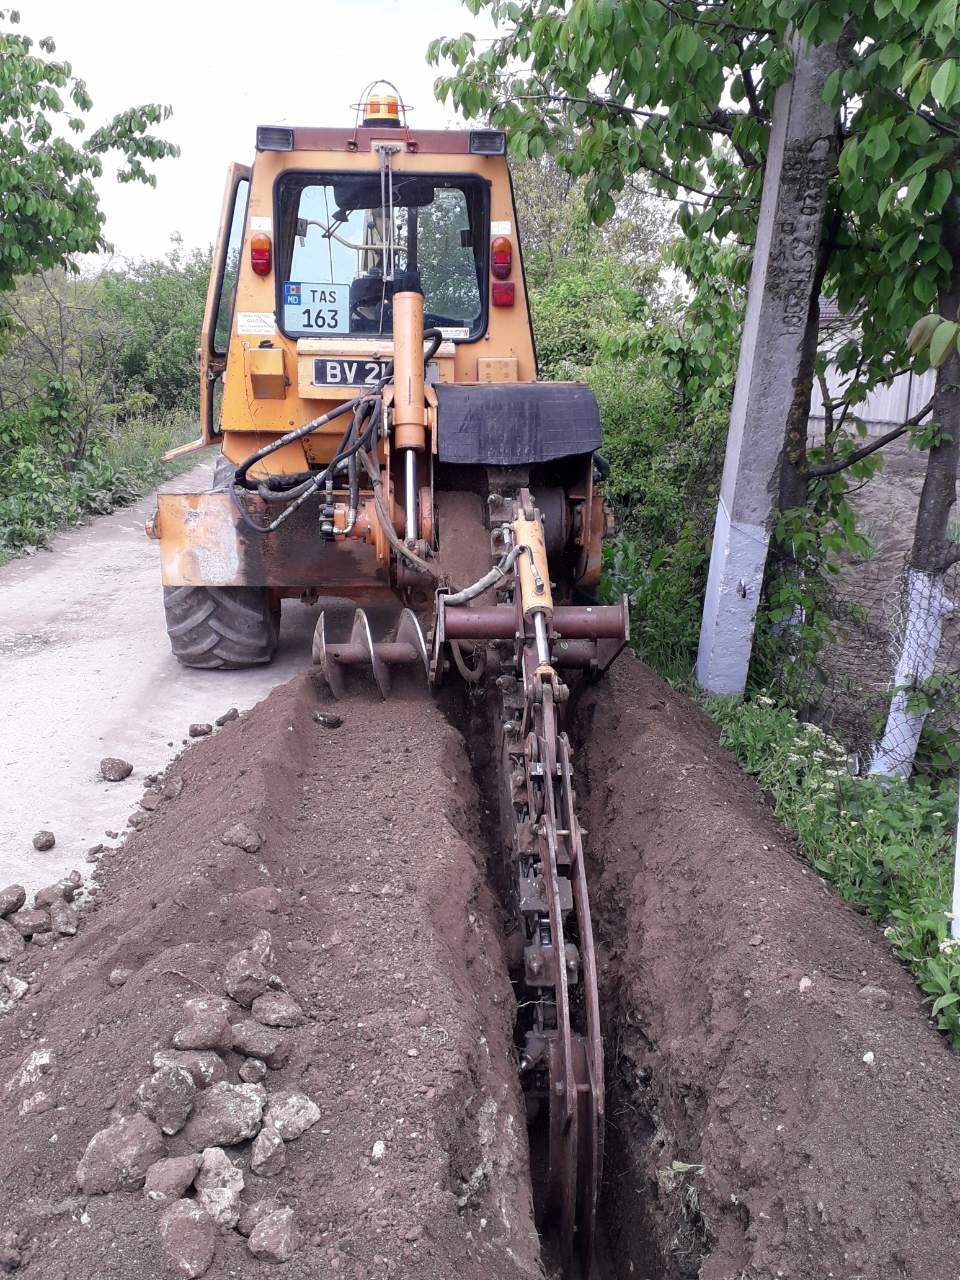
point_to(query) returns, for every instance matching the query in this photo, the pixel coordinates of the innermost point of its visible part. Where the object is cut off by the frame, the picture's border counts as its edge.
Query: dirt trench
(778, 1103)
(370, 886)
(750, 1133)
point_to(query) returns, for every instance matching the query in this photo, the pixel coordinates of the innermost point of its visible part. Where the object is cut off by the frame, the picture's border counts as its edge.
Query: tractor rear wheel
(222, 627)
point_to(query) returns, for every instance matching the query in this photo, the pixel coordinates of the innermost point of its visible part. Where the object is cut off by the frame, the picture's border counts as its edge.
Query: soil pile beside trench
(383, 931)
(779, 1104)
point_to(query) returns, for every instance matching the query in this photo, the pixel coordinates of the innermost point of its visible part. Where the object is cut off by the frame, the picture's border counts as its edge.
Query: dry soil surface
(780, 1105)
(368, 881)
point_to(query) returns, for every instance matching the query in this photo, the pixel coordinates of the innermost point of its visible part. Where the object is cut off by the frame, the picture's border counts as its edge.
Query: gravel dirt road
(87, 673)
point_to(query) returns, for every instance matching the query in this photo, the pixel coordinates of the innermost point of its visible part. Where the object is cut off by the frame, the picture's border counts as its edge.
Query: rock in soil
(150, 801)
(28, 923)
(44, 840)
(118, 1157)
(172, 788)
(64, 890)
(256, 1040)
(277, 1009)
(232, 714)
(225, 1114)
(171, 1178)
(252, 1070)
(268, 1154)
(219, 1187)
(189, 1238)
(291, 1113)
(245, 978)
(12, 898)
(207, 1025)
(275, 1238)
(205, 1067)
(167, 1098)
(200, 730)
(12, 942)
(119, 976)
(114, 769)
(242, 836)
(328, 720)
(64, 918)
(252, 1214)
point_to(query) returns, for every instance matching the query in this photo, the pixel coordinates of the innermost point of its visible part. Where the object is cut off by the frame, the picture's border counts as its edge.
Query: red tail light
(501, 257)
(503, 293)
(261, 253)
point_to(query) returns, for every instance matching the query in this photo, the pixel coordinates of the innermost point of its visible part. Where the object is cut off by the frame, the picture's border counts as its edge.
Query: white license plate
(347, 373)
(316, 310)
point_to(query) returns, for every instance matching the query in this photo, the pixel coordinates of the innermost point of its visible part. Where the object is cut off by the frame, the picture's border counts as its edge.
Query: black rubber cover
(512, 423)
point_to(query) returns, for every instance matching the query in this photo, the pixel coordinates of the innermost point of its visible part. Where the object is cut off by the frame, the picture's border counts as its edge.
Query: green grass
(887, 846)
(39, 495)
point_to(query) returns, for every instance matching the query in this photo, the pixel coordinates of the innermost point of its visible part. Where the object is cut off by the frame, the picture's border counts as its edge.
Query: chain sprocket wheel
(562, 1053)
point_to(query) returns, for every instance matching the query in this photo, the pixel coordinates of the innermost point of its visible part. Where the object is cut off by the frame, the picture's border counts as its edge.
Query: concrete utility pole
(800, 162)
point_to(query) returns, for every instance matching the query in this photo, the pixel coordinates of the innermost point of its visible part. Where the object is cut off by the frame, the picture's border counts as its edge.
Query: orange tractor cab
(368, 372)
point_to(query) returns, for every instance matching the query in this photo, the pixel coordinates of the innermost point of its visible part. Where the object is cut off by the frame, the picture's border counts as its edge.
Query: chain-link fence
(885, 681)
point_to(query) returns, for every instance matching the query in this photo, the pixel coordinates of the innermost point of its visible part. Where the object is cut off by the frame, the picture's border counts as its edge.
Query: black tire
(221, 627)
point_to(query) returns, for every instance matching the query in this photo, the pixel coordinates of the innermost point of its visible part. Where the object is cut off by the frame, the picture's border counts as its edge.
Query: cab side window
(229, 270)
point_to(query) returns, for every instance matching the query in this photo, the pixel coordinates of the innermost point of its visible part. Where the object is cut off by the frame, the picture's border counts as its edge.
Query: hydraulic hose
(295, 490)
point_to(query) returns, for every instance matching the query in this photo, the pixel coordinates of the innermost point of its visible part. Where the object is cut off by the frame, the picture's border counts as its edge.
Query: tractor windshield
(342, 252)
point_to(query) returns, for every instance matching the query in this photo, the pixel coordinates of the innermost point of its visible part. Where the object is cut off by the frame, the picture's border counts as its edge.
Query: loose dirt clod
(113, 769)
(44, 840)
(242, 836)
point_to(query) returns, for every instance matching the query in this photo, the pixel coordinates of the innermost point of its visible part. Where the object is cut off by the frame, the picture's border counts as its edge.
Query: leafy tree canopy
(682, 91)
(49, 208)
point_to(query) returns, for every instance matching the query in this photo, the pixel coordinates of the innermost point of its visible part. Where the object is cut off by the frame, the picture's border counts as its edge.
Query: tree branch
(832, 468)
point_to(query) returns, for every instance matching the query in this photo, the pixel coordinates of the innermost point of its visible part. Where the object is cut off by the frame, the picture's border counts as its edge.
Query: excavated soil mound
(779, 1104)
(369, 883)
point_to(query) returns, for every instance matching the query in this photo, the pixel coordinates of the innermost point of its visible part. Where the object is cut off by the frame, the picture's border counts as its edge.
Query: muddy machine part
(528, 645)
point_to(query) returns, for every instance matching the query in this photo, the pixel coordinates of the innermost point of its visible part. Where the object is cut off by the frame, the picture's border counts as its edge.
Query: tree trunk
(925, 600)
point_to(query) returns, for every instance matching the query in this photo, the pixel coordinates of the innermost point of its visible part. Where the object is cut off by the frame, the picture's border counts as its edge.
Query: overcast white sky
(227, 67)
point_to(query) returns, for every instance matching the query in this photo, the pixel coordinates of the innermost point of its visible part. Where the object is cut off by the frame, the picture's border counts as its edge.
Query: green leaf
(943, 339)
(942, 186)
(944, 82)
(922, 332)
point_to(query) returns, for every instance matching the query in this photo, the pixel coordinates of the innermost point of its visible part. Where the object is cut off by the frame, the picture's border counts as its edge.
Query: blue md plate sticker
(315, 310)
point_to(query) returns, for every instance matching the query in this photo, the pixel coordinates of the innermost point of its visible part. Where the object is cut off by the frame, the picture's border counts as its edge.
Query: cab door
(221, 296)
